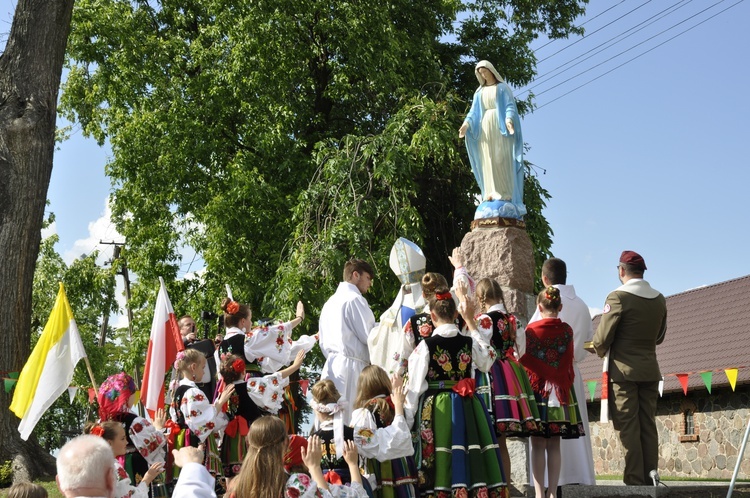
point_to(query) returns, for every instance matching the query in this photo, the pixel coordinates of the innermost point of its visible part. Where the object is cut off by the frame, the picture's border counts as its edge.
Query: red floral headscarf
(114, 394)
(293, 456)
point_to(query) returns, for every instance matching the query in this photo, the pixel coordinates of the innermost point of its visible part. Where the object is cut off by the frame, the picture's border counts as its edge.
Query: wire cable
(595, 31)
(631, 48)
(653, 19)
(637, 56)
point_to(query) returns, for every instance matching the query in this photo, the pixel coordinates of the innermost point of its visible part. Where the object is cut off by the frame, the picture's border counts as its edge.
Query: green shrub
(6, 474)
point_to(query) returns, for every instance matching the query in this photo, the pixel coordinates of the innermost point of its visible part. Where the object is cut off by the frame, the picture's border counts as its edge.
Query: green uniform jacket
(633, 322)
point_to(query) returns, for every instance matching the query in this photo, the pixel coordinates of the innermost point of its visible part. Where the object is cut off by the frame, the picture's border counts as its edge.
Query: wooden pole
(91, 374)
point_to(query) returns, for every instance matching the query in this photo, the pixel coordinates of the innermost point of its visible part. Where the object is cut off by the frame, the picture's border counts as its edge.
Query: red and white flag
(163, 346)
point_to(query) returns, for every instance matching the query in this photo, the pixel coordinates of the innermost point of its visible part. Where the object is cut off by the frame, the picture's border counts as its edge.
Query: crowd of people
(430, 421)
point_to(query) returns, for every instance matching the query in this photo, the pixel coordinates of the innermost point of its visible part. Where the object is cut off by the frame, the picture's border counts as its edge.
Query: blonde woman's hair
(374, 381)
(262, 474)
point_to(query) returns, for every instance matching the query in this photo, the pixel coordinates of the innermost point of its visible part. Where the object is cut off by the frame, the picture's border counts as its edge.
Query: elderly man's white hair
(84, 462)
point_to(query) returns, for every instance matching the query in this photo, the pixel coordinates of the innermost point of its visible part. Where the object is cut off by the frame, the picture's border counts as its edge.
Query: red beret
(633, 258)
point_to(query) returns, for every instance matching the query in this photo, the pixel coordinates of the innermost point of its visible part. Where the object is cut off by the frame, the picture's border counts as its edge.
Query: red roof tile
(706, 330)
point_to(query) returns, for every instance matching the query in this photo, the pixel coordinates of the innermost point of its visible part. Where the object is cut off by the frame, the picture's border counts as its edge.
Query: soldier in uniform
(633, 322)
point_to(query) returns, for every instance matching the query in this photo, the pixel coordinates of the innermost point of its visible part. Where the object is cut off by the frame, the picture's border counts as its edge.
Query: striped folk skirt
(510, 398)
(457, 453)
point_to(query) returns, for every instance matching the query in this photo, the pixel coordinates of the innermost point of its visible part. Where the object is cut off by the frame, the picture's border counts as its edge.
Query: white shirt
(345, 322)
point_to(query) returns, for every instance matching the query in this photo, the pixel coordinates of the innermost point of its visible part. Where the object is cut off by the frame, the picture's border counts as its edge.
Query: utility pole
(124, 272)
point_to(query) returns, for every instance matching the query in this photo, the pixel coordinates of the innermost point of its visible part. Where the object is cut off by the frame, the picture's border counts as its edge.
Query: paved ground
(671, 489)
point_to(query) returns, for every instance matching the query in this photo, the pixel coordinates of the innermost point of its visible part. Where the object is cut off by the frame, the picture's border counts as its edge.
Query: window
(688, 427)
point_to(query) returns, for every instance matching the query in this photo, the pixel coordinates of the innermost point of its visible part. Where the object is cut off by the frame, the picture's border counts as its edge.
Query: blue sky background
(650, 157)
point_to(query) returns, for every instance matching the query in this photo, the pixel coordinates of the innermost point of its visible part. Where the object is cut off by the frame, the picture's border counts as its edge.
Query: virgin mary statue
(495, 145)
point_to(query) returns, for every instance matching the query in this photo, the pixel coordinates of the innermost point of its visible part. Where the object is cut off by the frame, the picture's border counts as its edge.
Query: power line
(637, 56)
(631, 48)
(653, 19)
(595, 31)
(582, 24)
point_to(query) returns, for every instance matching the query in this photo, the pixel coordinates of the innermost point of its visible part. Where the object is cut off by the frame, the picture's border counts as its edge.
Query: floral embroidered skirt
(457, 454)
(512, 403)
(562, 420)
(395, 478)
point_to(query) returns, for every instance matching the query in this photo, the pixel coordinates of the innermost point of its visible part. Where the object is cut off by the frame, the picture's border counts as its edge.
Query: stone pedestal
(505, 254)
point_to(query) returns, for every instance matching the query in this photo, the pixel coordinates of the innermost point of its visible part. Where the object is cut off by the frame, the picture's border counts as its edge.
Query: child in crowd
(458, 453)
(549, 362)
(381, 434)
(199, 421)
(510, 399)
(262, 474)
(114, 434)
(27, 489)
(329, 408)
(251, 399)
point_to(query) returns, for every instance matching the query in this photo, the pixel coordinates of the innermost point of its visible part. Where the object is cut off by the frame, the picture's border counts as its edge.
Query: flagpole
(91, 373)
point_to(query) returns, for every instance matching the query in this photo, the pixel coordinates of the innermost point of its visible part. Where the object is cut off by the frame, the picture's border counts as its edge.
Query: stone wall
(719, 423)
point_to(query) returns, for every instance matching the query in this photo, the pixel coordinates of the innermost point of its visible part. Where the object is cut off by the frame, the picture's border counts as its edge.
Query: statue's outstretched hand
(462, 130)
(509, 125)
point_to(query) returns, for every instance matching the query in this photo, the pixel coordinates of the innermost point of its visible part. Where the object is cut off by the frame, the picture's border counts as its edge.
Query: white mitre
(408, 263)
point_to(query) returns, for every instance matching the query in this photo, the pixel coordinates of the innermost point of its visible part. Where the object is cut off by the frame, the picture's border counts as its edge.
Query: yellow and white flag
(49, 369)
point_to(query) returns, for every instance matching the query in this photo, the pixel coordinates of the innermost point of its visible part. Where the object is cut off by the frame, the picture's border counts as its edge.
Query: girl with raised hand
(549, 362)
(262, 474)
(114, 434)
(510, 397)
(251, 399)
(381, 434)
(198, 419)
(458, 452)
(265, 349)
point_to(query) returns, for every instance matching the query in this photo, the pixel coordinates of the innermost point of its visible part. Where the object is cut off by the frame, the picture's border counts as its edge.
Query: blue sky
(650, 157)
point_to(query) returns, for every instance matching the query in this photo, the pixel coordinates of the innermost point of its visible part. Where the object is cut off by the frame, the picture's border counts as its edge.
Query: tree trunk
(30, 71)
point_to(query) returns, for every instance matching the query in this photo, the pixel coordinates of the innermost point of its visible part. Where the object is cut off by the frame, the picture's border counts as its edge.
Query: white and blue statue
(495, 144)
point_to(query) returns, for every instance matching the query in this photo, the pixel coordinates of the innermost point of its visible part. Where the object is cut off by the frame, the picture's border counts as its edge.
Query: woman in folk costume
(549, 362)
(382, 436)
(198, 420)
(265, 349)
(146, 443)
(458, 453)
(511, 400)
(252, 399)
(495, 145)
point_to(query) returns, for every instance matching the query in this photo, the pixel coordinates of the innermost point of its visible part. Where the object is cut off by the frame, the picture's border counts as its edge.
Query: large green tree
(278, 138)
(282, 136)
(30, 71)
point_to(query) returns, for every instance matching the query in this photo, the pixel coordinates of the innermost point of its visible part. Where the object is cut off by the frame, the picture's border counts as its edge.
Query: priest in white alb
(345, 323)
